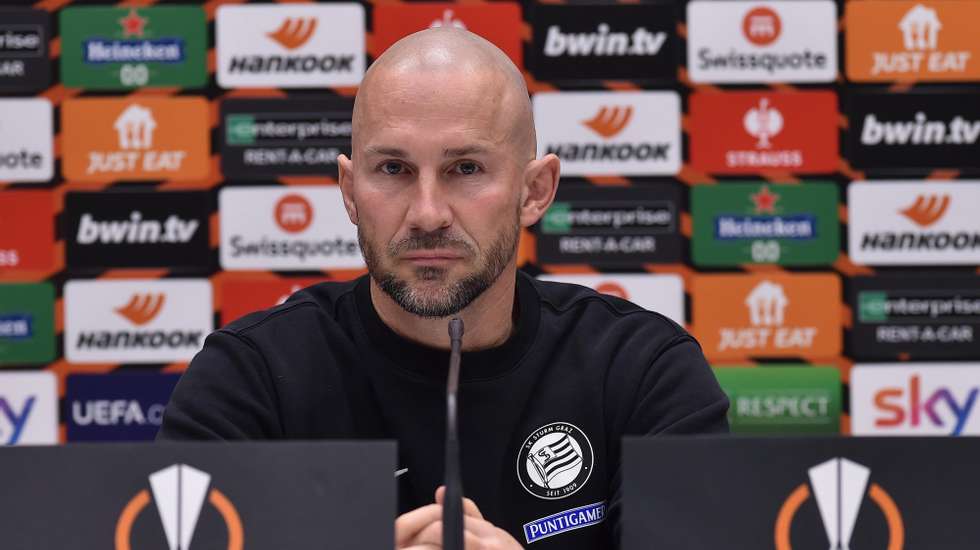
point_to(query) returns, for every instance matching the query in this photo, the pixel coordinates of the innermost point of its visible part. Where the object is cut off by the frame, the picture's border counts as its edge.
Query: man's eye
(392, 168)
(467, 168)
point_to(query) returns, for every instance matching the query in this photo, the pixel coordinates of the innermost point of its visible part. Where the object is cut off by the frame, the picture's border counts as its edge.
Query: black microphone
(452, 506)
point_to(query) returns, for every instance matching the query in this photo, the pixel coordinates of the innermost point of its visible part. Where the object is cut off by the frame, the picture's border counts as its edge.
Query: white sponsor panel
(914, 222)
(28, 408)
(924, 399)
(607, 133)
(663, 293)
(136, 321)
(287, 228)
(26, 140)
(748, 42)
(295, 45)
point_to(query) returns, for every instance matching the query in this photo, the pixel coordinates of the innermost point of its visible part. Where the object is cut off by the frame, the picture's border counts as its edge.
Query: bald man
(442, 177)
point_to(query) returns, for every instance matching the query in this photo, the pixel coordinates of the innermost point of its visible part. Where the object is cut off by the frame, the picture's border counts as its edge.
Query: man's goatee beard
(452, 298)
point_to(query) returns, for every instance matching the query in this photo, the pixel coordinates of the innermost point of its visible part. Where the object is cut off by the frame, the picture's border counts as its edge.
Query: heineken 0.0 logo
(119, 48)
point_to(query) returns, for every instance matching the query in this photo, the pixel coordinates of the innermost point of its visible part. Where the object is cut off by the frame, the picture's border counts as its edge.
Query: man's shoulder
(584, 307)
(304, 310)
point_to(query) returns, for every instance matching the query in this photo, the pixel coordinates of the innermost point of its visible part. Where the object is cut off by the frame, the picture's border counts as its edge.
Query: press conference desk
(703, 493)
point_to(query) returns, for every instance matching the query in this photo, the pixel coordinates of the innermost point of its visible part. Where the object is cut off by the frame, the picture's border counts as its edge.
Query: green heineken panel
(785, 224)
(786, 400)
(120, 48)
(26, 323)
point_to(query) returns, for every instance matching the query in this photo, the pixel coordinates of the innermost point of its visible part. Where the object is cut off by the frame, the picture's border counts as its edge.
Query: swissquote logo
(774, 41)
(910, 40)
(25, 140)
(555, 461)
(744, 132)
(597, 133)
(895, 223)
(28, 408)
(295, 228)
(299, 46)
(179, 493)
(136, 321)
(739, 316)
(839, 486)
(663, 293)
(146, 138)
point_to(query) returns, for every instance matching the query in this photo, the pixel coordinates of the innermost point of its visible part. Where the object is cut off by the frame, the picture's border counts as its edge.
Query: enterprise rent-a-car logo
(603, 133)
(776, 41)
(296, 228)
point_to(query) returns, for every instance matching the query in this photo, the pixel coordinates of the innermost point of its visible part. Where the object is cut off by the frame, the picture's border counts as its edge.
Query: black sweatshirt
(540, 418)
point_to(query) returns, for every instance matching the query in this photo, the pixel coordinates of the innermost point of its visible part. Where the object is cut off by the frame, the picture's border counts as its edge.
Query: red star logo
(133, 24)
(765, 200)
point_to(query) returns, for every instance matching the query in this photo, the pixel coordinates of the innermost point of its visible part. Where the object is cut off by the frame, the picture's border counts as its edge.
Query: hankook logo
(142, 308)
(294, 32)
(839, 487)
(926, 210)
(638, 132)
(179, 493)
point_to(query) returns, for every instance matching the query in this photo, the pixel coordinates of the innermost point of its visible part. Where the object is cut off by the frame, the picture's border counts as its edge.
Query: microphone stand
(452, 509)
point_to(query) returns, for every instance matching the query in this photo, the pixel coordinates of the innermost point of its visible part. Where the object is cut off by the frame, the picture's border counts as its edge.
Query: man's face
(437, 191)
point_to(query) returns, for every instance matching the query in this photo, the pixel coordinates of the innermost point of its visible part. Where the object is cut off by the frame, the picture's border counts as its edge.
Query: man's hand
(421, 529)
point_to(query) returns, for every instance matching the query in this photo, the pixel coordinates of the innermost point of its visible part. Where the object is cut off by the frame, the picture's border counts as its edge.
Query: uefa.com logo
(297, 46)
(839, 486)
(179, 493)
(752, 42)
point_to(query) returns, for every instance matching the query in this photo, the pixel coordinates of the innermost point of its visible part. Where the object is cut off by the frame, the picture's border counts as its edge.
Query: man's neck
(488, 320)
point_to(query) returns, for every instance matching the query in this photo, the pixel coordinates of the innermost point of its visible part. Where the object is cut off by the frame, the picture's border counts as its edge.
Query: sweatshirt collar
(433, 363)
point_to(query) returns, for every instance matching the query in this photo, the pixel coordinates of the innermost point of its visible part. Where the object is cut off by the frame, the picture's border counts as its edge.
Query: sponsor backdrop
(794, 181)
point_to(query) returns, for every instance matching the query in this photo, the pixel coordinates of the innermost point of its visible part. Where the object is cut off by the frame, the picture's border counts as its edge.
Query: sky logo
(909, 405)
(13, 419)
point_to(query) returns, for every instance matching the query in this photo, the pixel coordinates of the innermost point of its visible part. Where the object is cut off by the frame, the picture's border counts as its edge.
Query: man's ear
(345, 177)
(540, 186)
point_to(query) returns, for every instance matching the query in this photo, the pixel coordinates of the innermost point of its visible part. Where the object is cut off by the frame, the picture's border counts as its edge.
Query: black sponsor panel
(612, 226)
(870, 493)
(138, 229)
(267, 138)
(917, 130)
(915, 317)
(603, 42)
(24, 62)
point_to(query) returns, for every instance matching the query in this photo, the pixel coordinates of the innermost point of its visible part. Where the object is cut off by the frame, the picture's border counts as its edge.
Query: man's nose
(429, 209)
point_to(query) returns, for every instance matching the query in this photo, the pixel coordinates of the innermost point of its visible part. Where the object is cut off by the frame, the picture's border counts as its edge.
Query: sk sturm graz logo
(290, 45)
(740, 223)
(906, 223)
(909, 40)
(272, 137)
(746, 42)
(839, 486)
(117, 48)
(24, 64)
(602, 42)
(555, 461)
(179, 493)
(745, 132)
